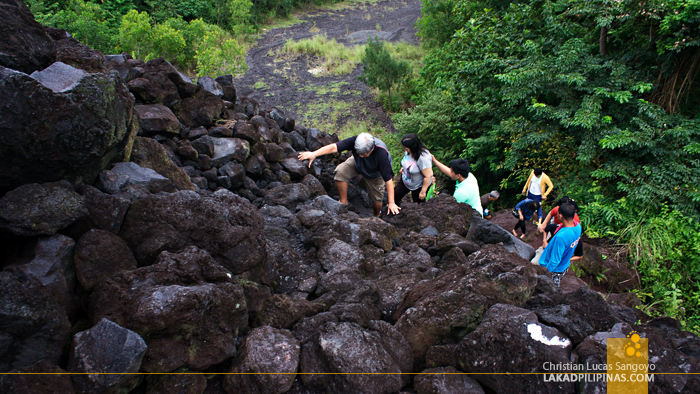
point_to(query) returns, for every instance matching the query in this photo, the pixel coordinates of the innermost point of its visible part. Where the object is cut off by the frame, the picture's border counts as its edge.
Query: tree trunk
(603, 40)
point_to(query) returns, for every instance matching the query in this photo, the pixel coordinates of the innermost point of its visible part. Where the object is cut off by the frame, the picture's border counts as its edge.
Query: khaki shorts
(375, 187)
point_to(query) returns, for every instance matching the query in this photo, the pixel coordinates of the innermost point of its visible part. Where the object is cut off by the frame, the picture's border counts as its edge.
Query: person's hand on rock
(393, 208)
(310, 156)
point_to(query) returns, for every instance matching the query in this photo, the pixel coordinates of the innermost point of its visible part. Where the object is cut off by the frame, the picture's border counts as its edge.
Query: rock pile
(174, 230)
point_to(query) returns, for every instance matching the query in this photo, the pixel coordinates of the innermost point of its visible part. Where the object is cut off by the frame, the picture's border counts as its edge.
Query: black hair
(538, 171)
(533, 205)
(567, 211)
(460, 167)
(567, 200)
(414, 144)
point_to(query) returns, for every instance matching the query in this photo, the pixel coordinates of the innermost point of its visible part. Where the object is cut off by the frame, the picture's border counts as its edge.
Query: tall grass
(338, 59)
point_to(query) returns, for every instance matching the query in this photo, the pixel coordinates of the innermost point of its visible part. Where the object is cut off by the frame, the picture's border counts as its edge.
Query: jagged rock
(211, 86)
(149, 153)
(283, 311)
(187, 152)
(157, 119)
(226, 83)
(338, 254)
(106, 212)
(183, 383)
(273, 153)
(250, 107)
(51, 264)
(59, 77)
(244, 131)
(278, 116)
(347, 347)
(447, 241)
(186, 305)
(266, 351)
(100, 254)
(307, 327)
(135, 175)
(316, 139)
(338, 280)
(235, 172)
(327, 203)
(200, 110)
(41, 209)
(296, 169)
(381, 233)
(592, 352)
(485, 232)
(106, 347)
(35, 326)
(579, 314)
(510, 339)
(288, 125)
(225, 225)
(155, 88)
(442, 212)
(70, 51)
(359, 305)
(298, 142)
(442, 356)
(25, 46)
(222, 150)
(315, 187)
(160, 66)
(453, 304)
(41, 378)
(445, 381)
(288, 195)
(48, 136)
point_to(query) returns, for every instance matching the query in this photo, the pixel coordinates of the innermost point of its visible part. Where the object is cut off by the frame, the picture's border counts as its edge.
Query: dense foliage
(598, 93)
(380, 70)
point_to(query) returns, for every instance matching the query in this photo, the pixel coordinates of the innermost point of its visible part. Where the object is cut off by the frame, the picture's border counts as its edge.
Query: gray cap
(495, 194)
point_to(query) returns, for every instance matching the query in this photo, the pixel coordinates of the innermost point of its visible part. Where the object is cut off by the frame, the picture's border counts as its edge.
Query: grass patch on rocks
(338, 59)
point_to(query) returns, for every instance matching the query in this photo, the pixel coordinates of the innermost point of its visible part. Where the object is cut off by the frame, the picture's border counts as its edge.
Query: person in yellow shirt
(538, 186)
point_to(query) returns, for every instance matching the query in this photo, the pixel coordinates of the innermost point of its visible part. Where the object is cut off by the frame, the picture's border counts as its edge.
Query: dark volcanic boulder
(446, 380)
(288, 195)
(25, 45)
(314, 185)
(157, 119)
(105, 348)
(100, 254)
(226, 83)
(41, 378)
(296, 168)
(348, 348)
(41, 209)
(34, 325)
(442, 212)
(200, 110)
(316, 139)
(186, 306)
(47, 135)
(70, 51)
(150, 154)
(227, 226)
(51, 264)
(453, 304)
(123, 175)
(106, 211)
(283, 311)
(510, 339)
(580, 314)
(265, 352)
(484, 231)
(155, 88)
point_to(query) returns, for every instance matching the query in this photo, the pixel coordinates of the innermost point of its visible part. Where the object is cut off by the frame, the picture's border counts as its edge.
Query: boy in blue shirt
(557, 253)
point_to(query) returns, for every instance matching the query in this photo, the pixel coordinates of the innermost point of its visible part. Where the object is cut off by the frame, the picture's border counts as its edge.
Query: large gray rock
(41, 209)
(442, 212)
(235, 173)
(283, 311)
(227, 226)
(222, 150)
(211, 86)
(52, 266)
(74, 134)
(289, 195)
(140, 176)
(272, 358)
(149, 153)
(187, 307)
(34, 325)
(336, 254)
(106, 212)
(316, 139)
(59, 77)
(296, 168)
(483, 232)
(453, 304)
(25, 45)
(202, 109)
(511, 339)
(348, 348)
(106, 347)
(157, 119)
(100, 254)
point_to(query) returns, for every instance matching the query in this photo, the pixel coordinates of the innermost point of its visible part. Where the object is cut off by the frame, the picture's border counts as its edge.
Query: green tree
(219, 54)
(380, 70)
(135, 33)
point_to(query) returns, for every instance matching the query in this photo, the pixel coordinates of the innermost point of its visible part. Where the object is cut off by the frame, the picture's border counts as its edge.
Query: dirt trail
(327, 102)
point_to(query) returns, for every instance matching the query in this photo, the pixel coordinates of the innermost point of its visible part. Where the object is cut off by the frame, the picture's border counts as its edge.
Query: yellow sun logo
(632, 347)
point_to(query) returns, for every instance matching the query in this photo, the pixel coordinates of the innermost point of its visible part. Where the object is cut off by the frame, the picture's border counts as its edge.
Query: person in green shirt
(467, 188)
